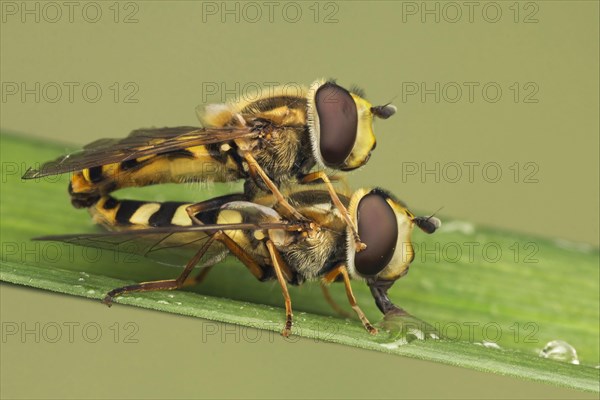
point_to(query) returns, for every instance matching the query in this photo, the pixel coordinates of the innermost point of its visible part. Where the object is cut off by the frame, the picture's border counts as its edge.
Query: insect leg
(277, 266)
(255, 169)
(336, 307)
(198, 279)
(235, 249)
(167, 284)
(336, 201)
(241, 254)
(331, 276)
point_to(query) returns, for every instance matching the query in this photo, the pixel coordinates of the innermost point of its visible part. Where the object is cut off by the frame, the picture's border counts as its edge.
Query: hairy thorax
(312, 255)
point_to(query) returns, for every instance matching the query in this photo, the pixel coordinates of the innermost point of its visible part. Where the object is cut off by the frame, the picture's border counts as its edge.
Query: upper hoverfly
(270, 246)
(270, 141)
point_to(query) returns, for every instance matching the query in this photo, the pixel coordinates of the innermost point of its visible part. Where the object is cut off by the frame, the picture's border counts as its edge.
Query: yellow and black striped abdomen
(133, 214)
(123, 215)
(212, 163)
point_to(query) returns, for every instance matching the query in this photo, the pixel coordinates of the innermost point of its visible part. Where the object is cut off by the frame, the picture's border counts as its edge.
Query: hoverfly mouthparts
(379, 289)
(427, 224)
(385, 111)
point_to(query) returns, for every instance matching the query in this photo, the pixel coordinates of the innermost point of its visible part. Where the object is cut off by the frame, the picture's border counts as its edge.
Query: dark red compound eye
(378, 229)
(338, 122)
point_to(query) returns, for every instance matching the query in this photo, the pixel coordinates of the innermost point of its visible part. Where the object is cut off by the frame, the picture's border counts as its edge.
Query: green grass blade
(538, 290)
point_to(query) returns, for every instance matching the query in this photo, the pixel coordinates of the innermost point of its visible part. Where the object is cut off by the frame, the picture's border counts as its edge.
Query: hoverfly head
(385, 225)
(341, 125)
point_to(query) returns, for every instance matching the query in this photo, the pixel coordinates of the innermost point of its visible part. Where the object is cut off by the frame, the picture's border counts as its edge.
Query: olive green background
(176, 52)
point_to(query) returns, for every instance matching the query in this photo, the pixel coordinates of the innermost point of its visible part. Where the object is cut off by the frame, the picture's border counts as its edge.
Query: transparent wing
(139, 143)
(170, 246)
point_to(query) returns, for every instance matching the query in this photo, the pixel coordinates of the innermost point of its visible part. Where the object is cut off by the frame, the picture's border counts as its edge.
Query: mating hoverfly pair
(273, 143)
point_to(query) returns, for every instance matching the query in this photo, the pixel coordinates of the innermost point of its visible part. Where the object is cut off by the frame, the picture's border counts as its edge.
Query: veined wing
(139, 143)
(170, 246)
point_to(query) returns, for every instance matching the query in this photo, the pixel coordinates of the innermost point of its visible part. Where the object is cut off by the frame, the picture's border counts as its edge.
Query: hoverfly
(268, 142)
(270, 246)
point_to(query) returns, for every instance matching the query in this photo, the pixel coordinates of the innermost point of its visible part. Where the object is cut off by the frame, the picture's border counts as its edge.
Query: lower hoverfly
(270, 246)
(270, 141)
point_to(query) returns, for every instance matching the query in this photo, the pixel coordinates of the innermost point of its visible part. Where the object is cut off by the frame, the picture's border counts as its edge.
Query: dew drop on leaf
(561, 351)
(398, 330)
(489, 345)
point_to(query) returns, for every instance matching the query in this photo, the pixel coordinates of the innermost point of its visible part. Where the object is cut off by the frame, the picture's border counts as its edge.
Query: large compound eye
(338, 122)
(378, 229)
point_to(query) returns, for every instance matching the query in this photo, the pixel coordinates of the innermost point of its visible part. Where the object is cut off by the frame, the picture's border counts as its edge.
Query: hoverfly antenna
(436, 211)
(428, 224)
(385, 111)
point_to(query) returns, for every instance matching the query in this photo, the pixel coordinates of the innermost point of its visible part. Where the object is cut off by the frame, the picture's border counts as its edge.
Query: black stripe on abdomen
(126, 210)
(110, 203)
(129, 164)
(164, 215)
(95, 174)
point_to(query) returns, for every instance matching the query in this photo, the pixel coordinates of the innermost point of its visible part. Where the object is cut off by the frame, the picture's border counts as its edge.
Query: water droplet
(489, 345)
(178, 303)
(576, 246)
(458, 226)
(162, 302)
(403, 329)
(81, 279)
(84, 274)
(396, 344)
(171, 296)
(561, 351)
(91, 291)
